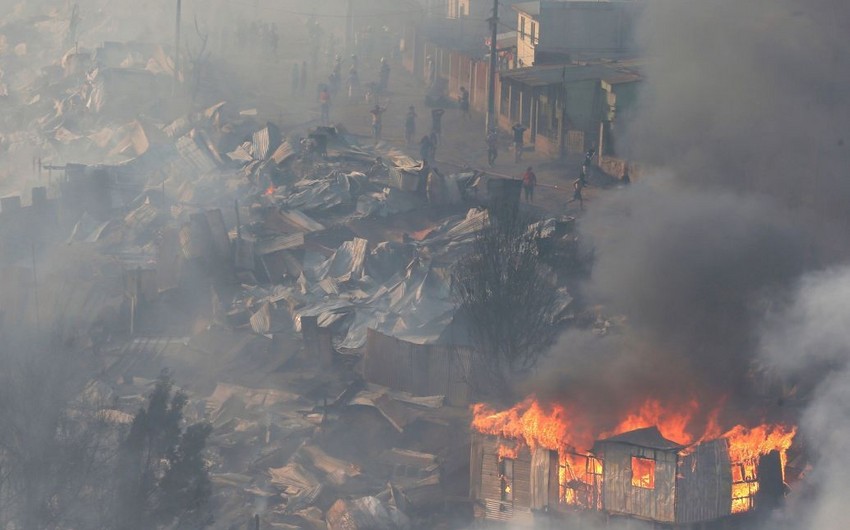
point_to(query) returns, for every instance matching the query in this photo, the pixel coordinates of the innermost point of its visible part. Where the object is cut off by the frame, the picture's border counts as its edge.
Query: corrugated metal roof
(557, 73)
(649, 437)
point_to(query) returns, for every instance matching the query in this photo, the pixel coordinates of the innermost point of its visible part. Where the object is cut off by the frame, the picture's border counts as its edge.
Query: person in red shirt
(529, 181)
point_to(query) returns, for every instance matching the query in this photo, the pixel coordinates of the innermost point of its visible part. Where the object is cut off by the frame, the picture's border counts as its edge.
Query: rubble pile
(217, 241)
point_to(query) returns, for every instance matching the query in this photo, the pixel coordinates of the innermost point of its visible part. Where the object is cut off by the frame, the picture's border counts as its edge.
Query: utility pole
(177, 47)
(35, 290)
(494, 64)
(349, 26)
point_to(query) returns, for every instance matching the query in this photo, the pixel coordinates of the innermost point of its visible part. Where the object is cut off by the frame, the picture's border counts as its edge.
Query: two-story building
(557, 31)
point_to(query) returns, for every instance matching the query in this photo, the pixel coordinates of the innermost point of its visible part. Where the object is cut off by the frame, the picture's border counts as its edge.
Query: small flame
(270, 190)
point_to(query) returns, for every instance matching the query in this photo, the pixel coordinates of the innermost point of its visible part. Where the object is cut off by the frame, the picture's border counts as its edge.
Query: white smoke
(809, 340)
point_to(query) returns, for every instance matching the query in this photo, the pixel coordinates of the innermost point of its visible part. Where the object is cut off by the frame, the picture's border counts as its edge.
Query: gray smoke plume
(745, 110)
(750, 96)
(808, 342)
(693, 271)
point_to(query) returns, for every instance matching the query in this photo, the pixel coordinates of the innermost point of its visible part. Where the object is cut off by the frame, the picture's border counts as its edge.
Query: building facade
(550, 32)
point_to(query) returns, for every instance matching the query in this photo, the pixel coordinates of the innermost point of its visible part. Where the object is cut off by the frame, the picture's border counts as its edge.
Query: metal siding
(704, 483)
(419, 369)
(518, 512)
(620, 497)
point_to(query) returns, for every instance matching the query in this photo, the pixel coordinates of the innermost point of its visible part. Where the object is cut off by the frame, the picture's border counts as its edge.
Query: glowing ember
(270, 190)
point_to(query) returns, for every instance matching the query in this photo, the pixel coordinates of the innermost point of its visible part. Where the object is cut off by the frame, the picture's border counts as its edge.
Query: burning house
(525, 463)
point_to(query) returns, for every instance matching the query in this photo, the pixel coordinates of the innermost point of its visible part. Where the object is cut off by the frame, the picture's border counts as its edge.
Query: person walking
(492, 147)
(519, 130)
(437, 121)
(410, 125)
(384, 76)
(578, 186)
(529, 181)
(377, 121)
(463, 102)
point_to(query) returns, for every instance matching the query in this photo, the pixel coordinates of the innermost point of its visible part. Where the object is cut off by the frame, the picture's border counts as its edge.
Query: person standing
(492, 147)
(589, 154)
(437, 122)
(325, 105)
(434, 141)
(425, 148)
(463, 102)
(519, 130)
(377, 121)
(410, 125)
(353, 82)
(385, 76)
(529, 181)
(303, 86)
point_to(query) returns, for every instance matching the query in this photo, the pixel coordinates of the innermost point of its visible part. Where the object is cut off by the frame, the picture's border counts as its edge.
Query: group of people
(529, 183)
(429, 142)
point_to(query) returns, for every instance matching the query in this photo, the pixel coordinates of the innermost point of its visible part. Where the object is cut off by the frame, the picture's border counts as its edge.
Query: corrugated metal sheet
(422, 370)
(704, 483)
(194, 159)
(260, 142)
(517, 511)
(278, 243)
(621, 497)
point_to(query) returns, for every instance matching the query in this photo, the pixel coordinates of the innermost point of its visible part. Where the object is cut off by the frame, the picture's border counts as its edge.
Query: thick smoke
(693, 272)
(750, 96)
(745, 109)
(808, 342)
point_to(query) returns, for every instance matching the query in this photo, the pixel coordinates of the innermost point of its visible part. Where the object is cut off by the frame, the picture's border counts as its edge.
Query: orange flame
(562, 428)
(746, 445)
(269, 190)
(527, 421)
(674, 423)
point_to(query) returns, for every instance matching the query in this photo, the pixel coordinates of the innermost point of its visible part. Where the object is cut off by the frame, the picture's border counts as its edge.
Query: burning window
(580, 479)
(643, 472)
(744, 486)
(506, 482)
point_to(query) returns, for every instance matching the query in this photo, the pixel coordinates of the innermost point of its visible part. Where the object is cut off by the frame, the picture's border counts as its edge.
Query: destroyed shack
(637, 474)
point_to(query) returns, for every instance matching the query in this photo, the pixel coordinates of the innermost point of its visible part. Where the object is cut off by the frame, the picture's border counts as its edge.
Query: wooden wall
(618, 494)
(486, 482)
(704, 483)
